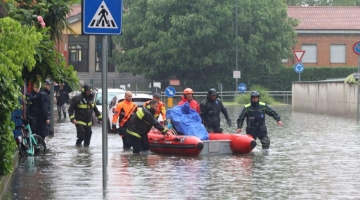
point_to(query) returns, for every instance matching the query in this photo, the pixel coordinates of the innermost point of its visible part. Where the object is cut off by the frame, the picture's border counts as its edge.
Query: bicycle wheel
(22, 150)
(40, 146)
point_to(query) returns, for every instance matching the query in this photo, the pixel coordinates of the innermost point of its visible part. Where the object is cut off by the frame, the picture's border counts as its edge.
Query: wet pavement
(311, 157)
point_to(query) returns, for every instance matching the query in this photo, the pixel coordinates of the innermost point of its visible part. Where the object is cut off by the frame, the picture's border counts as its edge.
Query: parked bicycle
(28, 143)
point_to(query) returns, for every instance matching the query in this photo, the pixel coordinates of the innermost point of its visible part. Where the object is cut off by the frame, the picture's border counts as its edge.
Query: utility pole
(236, 21)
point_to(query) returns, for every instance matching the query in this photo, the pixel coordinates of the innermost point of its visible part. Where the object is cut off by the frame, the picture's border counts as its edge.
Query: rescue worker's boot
(64, 115)
(59, 114)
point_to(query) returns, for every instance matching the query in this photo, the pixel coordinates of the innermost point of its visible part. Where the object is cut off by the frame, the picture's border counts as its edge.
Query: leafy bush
(264, 95)
(17, 44)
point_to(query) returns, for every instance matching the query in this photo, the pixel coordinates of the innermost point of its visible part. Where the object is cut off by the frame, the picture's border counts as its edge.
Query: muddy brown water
(312, 157)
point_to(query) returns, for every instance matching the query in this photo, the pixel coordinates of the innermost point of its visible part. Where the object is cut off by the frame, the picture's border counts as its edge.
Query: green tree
(196, 40)
(17, 44)
(49, 62)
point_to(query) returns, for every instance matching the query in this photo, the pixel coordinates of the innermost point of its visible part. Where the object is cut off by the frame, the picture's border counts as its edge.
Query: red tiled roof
(75, 9)
(326, 17)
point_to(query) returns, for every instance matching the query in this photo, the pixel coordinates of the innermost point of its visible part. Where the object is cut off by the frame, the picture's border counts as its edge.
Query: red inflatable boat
(239, 143)
(174, 144)
(193, 146)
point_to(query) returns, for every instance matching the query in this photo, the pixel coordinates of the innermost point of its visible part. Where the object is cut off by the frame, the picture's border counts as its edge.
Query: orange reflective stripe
(128, 109)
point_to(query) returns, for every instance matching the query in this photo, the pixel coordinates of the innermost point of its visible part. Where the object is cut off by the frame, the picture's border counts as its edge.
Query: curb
(5, 179)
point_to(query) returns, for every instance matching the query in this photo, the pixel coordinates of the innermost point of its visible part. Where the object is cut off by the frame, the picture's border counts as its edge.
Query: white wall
(325, 97)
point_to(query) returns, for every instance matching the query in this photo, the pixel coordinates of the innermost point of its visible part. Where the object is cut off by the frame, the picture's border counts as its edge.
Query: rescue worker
(140, 124)
(210, 109)
(122, 113)
(62, 96)
(45, 93)
(80, 113)
(188, 97)
(161, 110)
(38, 109)
(254, 113)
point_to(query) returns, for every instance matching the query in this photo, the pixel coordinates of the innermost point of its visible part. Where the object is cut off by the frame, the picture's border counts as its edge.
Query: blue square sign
(102, 17)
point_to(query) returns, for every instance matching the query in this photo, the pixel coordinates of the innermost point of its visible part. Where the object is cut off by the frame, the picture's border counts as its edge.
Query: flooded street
(311, 157)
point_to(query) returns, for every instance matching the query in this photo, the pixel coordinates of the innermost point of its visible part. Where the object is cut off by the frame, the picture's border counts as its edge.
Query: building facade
(326, 34)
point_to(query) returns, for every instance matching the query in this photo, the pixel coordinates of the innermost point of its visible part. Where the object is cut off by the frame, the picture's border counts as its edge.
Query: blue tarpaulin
(187, 121)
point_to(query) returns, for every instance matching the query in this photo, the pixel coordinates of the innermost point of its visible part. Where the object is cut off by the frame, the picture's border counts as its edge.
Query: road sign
(102, 17)
(356, 75)
(242, 87)
(298, 54)
(236, 74)
(299, 67)
(170, 91)
(356, 48)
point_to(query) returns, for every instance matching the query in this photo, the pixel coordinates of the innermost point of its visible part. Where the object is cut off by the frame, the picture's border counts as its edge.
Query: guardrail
(230, 96)
(226, 96)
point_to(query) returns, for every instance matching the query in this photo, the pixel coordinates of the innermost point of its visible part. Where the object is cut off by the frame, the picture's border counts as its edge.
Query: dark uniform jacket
(81, 109)
(62, 97)
(39, 109)
(140, 123)
(255, 118)
(210, 112)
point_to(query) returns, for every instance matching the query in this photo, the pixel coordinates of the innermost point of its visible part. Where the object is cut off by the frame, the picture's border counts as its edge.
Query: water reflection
(311, 157)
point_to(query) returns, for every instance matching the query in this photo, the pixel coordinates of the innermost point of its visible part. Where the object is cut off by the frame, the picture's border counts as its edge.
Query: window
(337, 53)
(310, 55)
(98, 54)
(78, 52)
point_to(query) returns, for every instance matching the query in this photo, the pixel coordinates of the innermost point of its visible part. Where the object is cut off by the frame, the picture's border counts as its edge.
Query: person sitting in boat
(254, 113)
(188, 97)
(161, 110)
(187, 121)
(210, 109)
(140, 124)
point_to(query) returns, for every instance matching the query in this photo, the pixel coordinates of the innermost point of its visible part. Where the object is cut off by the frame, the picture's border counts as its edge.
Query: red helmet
(188, 91)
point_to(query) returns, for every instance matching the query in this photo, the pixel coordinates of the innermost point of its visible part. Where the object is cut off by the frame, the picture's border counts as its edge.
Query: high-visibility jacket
(140, 123)
(161, 109)
(193, 104)
(81, 109)
(123, 111)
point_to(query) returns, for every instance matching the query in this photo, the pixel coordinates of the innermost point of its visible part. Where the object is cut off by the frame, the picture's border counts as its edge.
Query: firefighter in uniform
(80, 112)
(161, 110)
(140, 124)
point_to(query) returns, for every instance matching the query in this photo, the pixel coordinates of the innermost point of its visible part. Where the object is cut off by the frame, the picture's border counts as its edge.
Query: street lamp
(236, 51)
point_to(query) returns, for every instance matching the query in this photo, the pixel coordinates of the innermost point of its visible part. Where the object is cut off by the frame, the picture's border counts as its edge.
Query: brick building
(327, 35)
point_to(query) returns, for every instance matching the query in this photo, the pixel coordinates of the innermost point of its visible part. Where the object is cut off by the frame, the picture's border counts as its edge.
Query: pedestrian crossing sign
(99, 19)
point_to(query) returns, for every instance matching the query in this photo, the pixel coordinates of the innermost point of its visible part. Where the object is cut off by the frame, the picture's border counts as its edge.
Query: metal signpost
(170, 93)
(356, 50)
(102, 17)
(242, 87)
(299, 67)
(236, 75)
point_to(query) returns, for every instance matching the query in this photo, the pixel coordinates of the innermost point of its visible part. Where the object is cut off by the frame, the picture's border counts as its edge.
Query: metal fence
(229, 96)
(225, 96)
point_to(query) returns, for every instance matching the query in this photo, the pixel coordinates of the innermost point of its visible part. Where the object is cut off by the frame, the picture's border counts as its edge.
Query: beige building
(84, 53)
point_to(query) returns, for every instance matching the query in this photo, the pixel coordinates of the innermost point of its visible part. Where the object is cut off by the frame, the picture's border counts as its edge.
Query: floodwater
(311, 157)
